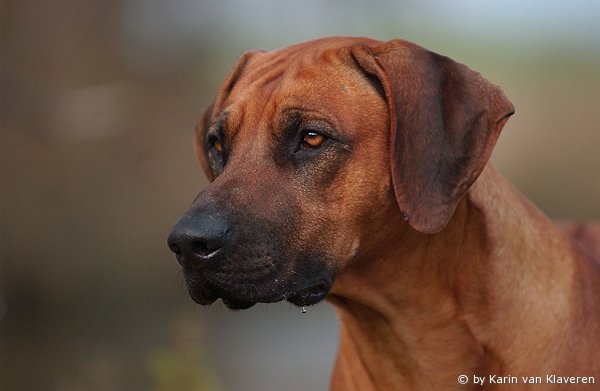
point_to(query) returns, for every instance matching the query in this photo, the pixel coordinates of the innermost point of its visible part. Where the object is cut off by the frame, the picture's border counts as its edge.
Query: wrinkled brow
(219, 124)
(228, 123)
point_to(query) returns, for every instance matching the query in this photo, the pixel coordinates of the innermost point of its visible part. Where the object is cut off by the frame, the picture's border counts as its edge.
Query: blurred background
(98, 103)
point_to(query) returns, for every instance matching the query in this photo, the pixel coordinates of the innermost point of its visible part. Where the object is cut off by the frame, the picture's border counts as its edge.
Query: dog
(356, 170)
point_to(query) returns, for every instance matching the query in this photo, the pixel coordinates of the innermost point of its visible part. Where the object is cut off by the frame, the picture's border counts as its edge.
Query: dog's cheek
(366, 183)
(336, 199)
(322, 226)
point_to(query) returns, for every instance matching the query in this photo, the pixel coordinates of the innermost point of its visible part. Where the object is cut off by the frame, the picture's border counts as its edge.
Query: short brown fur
(441, 267)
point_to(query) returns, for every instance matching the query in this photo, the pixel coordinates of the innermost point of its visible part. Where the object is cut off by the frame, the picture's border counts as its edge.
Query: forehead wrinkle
(228, 123)
(219, 124)
(266, 72)
(246, 127)
(263, 92)
(263, 95)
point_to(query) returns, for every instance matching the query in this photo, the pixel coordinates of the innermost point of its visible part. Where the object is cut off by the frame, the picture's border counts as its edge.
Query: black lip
(311, 295)
(206, 294)
(202, 293)
(232, 302)
(237, 304)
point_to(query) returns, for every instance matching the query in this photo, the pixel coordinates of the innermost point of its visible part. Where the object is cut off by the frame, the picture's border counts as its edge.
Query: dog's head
(313, 149)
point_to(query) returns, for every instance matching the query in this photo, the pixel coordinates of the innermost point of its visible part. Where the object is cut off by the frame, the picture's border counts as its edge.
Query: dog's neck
(420, 315)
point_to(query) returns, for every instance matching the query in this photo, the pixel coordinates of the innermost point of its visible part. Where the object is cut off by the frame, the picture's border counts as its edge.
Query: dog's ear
(444, 122)
(200, 146)
(233, 77)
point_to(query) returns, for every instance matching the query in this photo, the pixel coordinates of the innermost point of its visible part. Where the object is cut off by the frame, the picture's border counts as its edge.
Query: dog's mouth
(207, 293)
(210, 293)
(311, 295)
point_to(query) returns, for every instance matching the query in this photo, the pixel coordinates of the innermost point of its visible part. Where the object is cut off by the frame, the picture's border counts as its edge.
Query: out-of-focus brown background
(98, 101)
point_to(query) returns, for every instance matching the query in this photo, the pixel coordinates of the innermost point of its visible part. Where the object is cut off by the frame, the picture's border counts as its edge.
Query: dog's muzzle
(244, 268)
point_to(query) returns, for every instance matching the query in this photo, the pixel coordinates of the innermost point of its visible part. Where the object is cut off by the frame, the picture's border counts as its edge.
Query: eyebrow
(220, 123)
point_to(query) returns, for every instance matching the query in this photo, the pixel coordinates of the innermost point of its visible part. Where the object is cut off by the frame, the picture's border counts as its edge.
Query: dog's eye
(217, 154)
(216, 144)
(312, 140)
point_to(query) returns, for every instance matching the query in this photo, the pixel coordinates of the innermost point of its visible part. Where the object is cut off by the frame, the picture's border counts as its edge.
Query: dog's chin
(207, 293)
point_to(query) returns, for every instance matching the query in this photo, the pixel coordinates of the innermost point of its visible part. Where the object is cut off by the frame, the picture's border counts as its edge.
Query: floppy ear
(444, 122)
(200, 146)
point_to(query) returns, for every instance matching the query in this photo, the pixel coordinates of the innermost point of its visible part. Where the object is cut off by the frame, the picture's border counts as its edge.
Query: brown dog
(357, 170)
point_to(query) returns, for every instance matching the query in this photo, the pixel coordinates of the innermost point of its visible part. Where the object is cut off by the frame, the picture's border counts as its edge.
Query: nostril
(177, 251)
(175, 248)
(205, 248)
(197, 237)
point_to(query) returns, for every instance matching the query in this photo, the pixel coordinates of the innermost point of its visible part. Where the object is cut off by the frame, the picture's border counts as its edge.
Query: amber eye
(313, 139)
(214, 141)
(218, 146)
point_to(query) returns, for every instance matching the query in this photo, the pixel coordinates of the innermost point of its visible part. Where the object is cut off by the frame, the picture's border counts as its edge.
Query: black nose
(196, 237)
